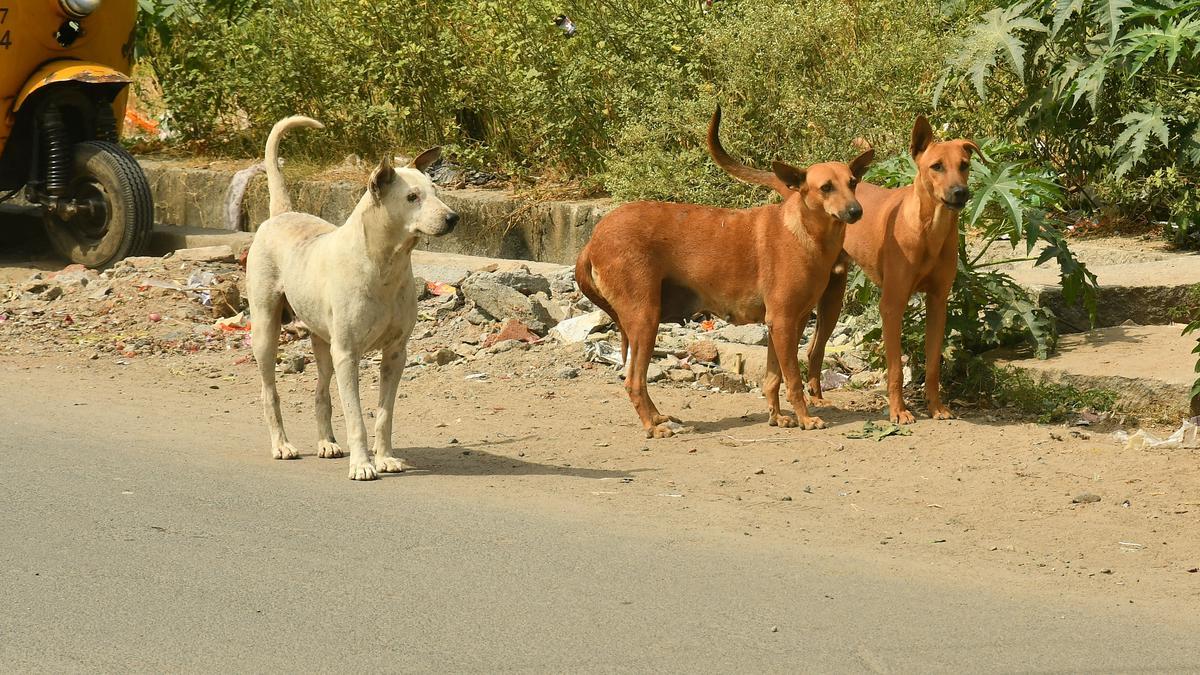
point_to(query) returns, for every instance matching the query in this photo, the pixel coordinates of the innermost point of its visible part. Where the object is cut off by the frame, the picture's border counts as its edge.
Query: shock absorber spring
(106, 123)
(56, 152)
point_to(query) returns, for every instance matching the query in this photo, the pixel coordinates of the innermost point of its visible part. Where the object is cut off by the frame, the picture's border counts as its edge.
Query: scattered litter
(1085, 498)
(233, 323)
(669, 494)
(677, 428)
(879, 431)
(440, 288)
(603, 352)
(1186, 436)
(476, 376)
(833, 379)
(1130, 545)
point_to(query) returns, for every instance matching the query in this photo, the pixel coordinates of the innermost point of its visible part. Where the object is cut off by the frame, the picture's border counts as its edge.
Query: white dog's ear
(426, 159)
(381, 178)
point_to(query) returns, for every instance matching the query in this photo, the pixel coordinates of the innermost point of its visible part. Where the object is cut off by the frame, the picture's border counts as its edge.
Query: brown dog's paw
(941, 412)
(903, 417)
(659, 431)
(818, 401)
(663, 419)
(810, 423)
(782, 421)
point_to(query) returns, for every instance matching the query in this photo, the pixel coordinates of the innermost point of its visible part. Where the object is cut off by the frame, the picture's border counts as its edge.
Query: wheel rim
(91, 222)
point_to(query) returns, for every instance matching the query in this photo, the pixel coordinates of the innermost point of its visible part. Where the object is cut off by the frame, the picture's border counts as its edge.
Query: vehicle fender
(84, 72)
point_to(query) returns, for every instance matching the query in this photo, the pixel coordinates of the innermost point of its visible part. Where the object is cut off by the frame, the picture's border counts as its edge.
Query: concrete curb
(493, 223)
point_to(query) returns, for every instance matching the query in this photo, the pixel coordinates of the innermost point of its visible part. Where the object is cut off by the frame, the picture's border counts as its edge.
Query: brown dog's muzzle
(957, 197)
(851, 213)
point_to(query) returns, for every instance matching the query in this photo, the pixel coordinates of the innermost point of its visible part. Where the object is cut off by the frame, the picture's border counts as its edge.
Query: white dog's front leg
(345, 364)
(391, 367)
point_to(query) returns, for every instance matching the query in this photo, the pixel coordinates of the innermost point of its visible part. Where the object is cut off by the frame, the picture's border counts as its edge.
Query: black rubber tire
(107, 169)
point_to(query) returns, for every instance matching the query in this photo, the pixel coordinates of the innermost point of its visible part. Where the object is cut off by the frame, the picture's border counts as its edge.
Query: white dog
(352, 286)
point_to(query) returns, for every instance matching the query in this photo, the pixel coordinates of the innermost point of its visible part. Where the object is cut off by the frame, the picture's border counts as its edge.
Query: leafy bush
(496, 82)
(1108, 89)
(621, 106)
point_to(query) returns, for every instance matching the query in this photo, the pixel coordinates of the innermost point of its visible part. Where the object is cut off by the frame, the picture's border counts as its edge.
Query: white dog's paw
(329, 450)
(389, 465)
(363, 471)
(285, 451)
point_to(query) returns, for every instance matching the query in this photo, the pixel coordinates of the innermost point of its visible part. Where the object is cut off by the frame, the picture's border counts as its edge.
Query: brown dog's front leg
(892, 312)
(935, 334)
(785, 340)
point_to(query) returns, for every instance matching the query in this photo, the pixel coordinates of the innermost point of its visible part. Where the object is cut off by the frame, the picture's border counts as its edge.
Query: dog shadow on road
(757, 422)
(460, 460)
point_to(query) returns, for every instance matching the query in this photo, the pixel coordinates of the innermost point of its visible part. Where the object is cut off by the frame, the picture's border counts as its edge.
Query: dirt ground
(986, 495)
(979, 496)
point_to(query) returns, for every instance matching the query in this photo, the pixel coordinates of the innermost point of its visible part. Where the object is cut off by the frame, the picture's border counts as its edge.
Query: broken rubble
(577, 329)
(749, 334)
(704, 350)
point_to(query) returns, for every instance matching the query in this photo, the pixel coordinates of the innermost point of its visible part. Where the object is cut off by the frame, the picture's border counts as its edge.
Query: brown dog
(649, 262)
(907, 243)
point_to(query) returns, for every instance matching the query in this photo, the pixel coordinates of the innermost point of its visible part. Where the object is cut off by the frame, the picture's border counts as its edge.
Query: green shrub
(1107, 89)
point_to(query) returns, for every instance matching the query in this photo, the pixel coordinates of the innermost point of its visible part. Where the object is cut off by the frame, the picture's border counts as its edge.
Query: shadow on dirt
(459, 460)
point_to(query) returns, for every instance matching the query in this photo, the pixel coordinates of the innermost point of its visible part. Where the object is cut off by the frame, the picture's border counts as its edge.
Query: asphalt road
(132, 539)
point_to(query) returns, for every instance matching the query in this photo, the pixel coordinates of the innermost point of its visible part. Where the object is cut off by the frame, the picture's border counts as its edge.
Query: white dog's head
(410, 198)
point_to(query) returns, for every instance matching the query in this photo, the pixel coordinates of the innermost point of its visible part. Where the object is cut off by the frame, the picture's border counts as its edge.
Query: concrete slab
(1150, 292)
(1150, 367)
(165, 239)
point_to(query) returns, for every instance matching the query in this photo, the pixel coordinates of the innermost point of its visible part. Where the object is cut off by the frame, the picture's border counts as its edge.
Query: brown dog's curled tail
(736, 168)
(280, 201)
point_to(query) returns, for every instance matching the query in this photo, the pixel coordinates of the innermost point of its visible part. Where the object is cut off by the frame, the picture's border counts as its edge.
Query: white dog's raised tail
(280, 201)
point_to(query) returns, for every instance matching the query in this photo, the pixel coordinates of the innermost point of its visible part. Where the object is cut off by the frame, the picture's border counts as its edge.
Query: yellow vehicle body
(33, 56)
(64, 80)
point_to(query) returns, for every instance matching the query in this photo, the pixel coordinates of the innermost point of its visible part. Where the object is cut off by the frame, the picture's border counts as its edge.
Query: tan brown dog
(649, 262)
(907, 243)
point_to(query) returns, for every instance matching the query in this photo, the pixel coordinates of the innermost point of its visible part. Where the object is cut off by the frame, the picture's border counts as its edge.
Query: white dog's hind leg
(345, 365)
(327, 445)
(391, 367)
(264, 335)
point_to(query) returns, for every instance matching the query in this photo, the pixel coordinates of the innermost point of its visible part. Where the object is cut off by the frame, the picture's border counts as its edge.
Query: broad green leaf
(1140, 127)
(1110, 15)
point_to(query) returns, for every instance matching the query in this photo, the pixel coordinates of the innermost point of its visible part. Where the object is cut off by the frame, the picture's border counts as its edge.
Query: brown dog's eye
(853, 184)
(964, 166)
(412, 196)
(938, 166)
(827, 188)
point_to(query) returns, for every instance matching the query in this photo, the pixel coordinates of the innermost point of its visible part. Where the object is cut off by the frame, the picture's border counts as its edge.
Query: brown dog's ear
(426, 159)
(970, 147)
(792, 177)
(382, 177)
(922, 136)
(858, 167)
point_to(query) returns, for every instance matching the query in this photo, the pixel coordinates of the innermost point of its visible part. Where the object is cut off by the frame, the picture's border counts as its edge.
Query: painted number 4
(6, 38)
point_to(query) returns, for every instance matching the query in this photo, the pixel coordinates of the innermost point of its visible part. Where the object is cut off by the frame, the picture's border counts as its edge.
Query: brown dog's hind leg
(641, 335)
(828, 310)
